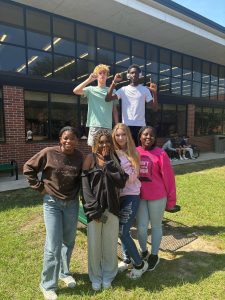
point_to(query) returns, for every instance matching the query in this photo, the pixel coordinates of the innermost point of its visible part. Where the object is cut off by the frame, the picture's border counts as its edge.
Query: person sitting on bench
(172, 149)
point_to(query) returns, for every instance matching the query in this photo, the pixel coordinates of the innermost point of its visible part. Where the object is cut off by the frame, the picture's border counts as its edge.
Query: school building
(48, 47)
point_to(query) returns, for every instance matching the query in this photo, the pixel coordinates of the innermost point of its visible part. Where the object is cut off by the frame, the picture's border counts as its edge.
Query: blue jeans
(128, 209)
(150, 211)
(60, 219)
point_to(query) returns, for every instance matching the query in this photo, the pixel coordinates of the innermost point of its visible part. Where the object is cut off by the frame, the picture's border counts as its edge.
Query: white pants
(102, 249)
(190, 150)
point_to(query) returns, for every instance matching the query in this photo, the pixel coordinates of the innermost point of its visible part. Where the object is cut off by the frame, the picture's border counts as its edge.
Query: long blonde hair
(130, 151)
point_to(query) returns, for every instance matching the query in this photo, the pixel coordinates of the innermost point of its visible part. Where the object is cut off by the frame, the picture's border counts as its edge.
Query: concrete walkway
(8, 183)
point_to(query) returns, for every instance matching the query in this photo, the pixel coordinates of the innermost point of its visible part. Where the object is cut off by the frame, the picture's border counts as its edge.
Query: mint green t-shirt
(99, 111)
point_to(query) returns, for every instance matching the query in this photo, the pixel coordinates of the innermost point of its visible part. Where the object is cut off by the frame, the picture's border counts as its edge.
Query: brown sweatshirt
(61, 173)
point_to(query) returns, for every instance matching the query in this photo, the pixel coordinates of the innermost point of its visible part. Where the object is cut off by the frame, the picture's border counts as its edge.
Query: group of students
(177, 148)
(120, 182)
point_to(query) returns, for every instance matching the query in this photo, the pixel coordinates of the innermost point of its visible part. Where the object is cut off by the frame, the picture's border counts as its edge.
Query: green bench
(11, 166)
(81, 217)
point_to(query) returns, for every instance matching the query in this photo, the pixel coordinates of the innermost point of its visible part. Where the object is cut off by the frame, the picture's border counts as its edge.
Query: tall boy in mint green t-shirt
(99, 112)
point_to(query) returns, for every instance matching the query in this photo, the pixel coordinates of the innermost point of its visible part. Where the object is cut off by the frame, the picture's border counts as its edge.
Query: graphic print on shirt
(145, 168)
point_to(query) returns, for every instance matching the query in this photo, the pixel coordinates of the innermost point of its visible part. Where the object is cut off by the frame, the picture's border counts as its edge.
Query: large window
(63, 37)
(64, 112)
(169, 118)
(46, 114)
(105, 47)
(38, 30)
(2, 133)
(209, 121)
(11, 24)
(138, 56)
(152, 64)
(12, 58)
(36, 114)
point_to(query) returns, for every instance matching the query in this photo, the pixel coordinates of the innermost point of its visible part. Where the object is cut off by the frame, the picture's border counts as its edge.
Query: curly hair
(135, 67)
(112, 154)
(101, 67)
(130, 152)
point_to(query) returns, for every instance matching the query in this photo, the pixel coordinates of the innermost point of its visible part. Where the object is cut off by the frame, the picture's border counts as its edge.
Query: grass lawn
(196, 271)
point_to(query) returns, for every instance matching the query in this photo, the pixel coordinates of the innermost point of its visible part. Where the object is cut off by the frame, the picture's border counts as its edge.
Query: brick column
(191, 120)
(13, 103)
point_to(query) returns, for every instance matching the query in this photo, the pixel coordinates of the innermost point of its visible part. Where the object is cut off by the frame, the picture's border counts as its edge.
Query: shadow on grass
(19, 199)
(198, 166)
(187, 267)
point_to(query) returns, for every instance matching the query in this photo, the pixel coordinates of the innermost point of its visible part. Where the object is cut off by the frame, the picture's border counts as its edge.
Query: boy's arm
(153, 90)
(78, 90)
(115, 114)
(110, 96)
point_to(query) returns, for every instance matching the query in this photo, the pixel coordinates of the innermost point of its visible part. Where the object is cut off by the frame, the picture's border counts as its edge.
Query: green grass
(197, 273)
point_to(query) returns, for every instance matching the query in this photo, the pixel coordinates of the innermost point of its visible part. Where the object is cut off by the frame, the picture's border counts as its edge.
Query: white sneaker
(69, 281)
(96, 286)
(193, 157)
(137, 273)
(181, 158)
(122, 266)
(184, 157)
(48, 295)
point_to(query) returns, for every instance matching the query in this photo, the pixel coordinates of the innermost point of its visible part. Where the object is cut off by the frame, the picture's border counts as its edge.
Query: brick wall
(15, 146)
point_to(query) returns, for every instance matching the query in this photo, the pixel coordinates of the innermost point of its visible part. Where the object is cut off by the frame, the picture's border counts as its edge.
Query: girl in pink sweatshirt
(158, 192)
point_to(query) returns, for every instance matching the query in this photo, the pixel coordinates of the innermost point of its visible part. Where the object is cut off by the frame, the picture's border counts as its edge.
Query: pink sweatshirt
(133, 184)
(156, 175)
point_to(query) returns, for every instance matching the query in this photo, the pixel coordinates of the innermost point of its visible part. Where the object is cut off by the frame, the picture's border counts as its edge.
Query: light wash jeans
(102, 249)
(128, 210)
(150, 211)
(60, 219)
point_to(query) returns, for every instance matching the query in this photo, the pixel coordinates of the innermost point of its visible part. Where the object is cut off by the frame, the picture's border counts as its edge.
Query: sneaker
(69, 281)
(106, 285)
(137, 273)
(48, 295)
(193, 157)
(96, 286)
(181, 158)
(145, 255)
(184, 157)
(123, 266)
(153, 261)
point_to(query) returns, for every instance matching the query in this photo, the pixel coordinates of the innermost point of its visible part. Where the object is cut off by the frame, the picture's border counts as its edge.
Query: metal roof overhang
(145, 20)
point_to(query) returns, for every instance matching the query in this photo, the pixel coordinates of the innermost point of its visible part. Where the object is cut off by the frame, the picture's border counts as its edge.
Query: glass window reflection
(85, 42)
(84, 69)
(36, 114)
(12, 59)
(165, 65)
(12, 35)
(187, 67)
(38, 30)
(64, 112)
(63, 36)
(39, 63)
(152, 59)
(64, 67)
